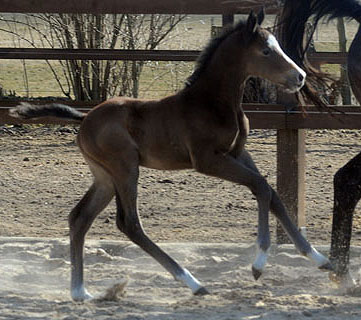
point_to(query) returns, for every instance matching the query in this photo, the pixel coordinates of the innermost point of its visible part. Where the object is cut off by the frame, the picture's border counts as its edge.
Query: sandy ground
(34, 276)
(208, 225)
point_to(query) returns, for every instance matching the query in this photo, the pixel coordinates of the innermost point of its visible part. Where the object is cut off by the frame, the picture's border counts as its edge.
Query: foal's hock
(202, 127)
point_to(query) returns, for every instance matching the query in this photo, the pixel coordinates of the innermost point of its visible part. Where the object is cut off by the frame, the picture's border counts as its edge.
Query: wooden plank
(258, 119)
(98, 54)
(140, 55)
(138, 6)
(278, 117)
(319, 58)
(290, 167)
(350, 118)
(291, 163)
(262, 116)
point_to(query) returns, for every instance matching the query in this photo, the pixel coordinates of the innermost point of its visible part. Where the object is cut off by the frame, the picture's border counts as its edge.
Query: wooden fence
(138, 6)
(290, 125)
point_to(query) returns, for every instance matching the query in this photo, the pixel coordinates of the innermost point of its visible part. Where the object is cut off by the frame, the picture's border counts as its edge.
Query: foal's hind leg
(279, 210)
(80, 220)
(125, 180)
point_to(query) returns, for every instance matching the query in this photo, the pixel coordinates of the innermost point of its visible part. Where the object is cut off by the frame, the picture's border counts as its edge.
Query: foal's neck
(223, 82)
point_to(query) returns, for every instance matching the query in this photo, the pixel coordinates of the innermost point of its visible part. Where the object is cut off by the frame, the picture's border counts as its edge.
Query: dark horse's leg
(347, 181)
(347, 193)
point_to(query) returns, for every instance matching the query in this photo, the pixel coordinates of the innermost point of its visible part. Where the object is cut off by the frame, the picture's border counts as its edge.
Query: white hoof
(259, 263)
(319, 259)
(80, 294)
(190, 281)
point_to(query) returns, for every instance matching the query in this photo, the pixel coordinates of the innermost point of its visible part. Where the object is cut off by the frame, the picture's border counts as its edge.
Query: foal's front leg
(279, 210)
(228, 168)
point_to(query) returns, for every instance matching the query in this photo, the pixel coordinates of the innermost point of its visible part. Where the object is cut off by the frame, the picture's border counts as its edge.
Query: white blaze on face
(274, 45)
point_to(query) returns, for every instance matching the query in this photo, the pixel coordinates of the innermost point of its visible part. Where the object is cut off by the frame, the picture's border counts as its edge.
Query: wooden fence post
(345, 87)
(291, 176)
(290, 160)
(227, 19)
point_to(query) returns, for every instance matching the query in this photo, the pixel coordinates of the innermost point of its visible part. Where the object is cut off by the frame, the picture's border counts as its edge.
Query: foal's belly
(165, 162)
(166, 156)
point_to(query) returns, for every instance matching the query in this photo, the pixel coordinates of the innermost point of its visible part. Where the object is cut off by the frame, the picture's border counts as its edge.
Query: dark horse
(202, 126)
(347, 180)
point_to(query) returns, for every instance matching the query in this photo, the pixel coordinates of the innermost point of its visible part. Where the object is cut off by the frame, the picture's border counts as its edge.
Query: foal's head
(265, 58)
(248, 50)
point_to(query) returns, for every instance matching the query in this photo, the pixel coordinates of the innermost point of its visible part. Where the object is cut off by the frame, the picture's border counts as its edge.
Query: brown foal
(202, 127)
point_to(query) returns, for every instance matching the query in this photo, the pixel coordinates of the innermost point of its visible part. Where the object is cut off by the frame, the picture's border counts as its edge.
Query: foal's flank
(202, 127)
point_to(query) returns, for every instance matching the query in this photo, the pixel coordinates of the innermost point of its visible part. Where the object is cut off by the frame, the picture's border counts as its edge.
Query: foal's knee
(130, 227)
(262, 190)
(135, 233)
(75, 220)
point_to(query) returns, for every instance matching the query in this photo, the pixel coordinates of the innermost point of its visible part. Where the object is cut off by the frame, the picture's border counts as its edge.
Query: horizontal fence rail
(98, 54)
(262, 116)
(134, 55)
(138, 6)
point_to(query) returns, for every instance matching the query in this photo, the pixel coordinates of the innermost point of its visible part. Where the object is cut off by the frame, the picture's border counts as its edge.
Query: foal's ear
(252, 23)
(260, 16)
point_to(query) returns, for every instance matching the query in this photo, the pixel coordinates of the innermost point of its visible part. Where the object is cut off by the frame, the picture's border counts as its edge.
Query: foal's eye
(266, 52)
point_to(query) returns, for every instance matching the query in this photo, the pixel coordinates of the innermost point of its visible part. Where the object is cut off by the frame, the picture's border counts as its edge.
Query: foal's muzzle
(295, 81)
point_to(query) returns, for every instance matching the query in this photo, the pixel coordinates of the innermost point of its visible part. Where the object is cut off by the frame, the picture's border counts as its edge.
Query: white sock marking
(80, 294)
(317, 257)
(261, 259)
(190, 281)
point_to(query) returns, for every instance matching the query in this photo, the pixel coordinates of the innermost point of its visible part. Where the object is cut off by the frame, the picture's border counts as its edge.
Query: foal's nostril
(300, 77)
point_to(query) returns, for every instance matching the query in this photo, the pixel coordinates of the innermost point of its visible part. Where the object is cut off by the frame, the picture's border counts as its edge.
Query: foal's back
(156, 129)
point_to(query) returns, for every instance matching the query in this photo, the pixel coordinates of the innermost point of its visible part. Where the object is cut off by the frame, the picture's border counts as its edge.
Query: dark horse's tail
(296, 39)
(336, 9)
(29, 111)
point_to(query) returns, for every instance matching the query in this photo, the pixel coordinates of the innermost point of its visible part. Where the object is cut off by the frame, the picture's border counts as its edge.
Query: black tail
(295, 15)
(28, 111)
(296, 40)
(336, 9)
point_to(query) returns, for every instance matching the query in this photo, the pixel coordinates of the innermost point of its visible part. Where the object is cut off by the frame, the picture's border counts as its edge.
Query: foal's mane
(207, 53)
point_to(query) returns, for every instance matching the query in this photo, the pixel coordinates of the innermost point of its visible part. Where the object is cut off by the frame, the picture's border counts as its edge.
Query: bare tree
(93, 79)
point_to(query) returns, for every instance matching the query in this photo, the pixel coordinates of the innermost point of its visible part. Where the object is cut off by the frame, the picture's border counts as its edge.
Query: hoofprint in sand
(34, 283)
